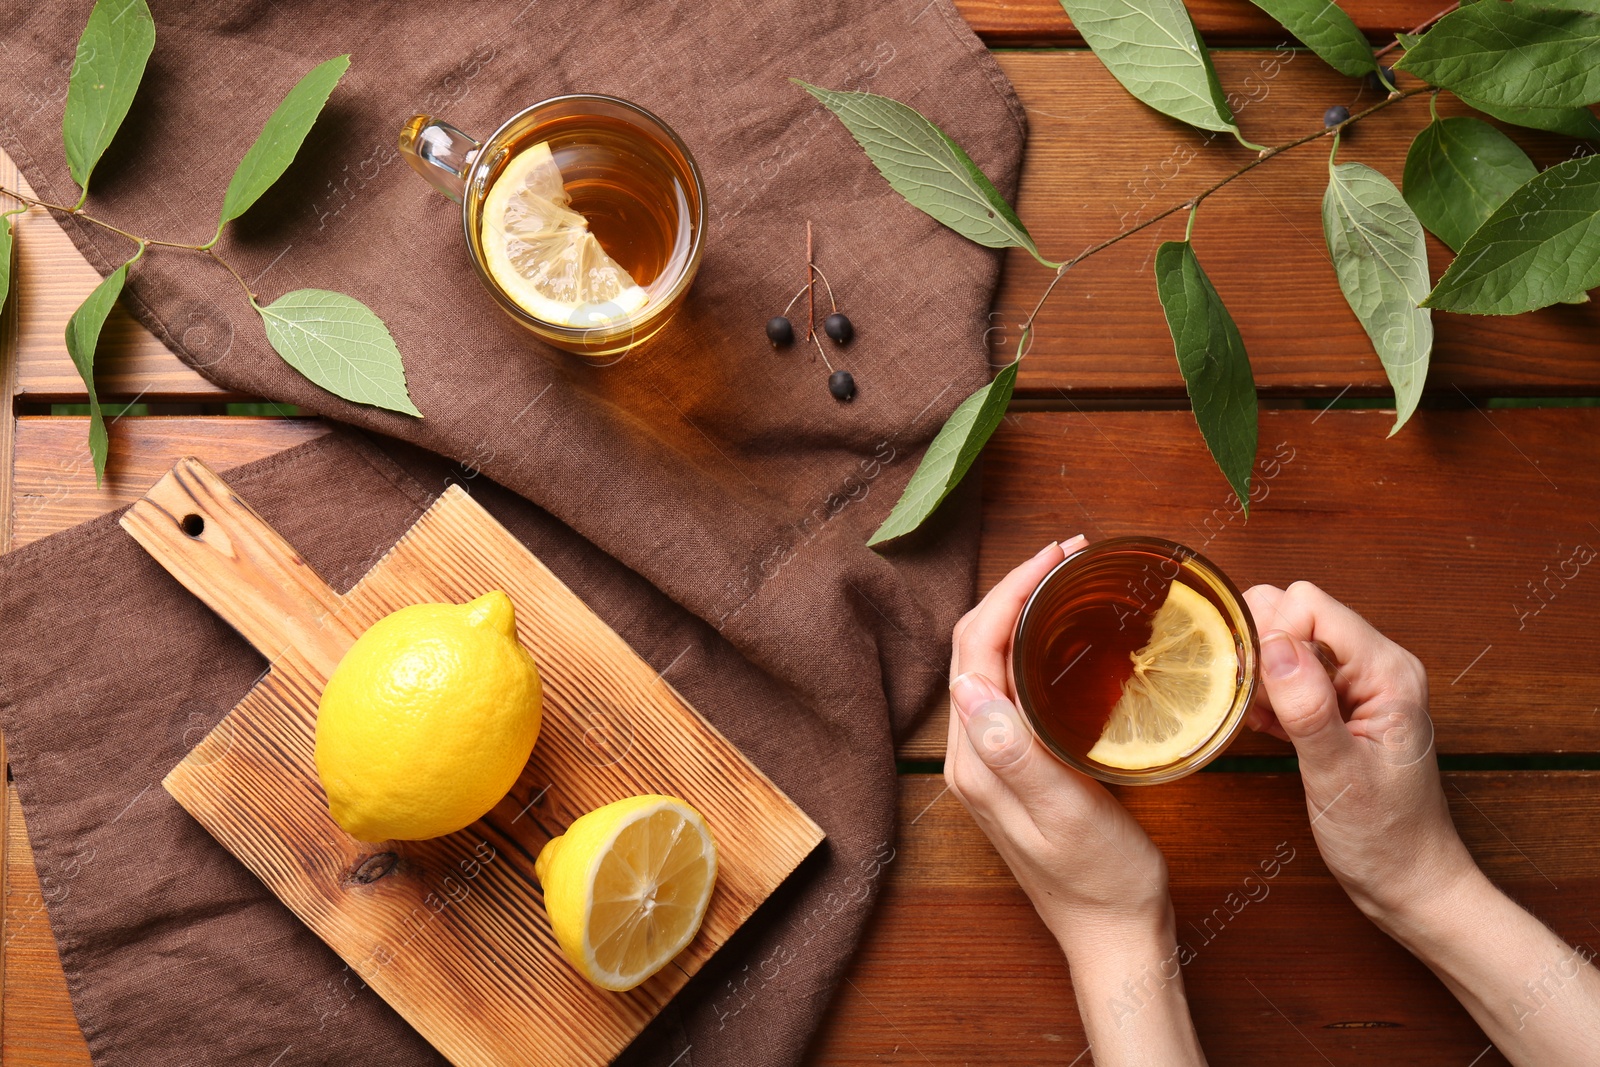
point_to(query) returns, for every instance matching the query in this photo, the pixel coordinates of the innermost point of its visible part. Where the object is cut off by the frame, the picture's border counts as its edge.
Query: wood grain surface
(1456, 538)
(39, 1029)
(1099, 161)
(8, 433)
(1036, 23)
(52, 278)
(452, 932)
(54, 478)
(957, 968)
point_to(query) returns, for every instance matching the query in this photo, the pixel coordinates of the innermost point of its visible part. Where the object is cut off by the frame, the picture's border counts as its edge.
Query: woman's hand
(1379, 815)
(1081, 858)
(1095, 878)
(1372, 783)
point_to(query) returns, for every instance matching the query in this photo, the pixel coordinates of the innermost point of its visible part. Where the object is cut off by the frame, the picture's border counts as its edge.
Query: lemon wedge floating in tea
(1183, 685)
(427, 720)
(627, 886)
(541, 252)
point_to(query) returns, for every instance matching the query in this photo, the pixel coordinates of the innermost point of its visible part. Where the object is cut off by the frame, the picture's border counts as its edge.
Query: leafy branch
(1194, 202)
(1525, 240)
(334, 340)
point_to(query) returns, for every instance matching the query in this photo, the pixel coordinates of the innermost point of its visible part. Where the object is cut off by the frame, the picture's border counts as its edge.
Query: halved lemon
(1183, 685)
(541, 252)
(627, 886)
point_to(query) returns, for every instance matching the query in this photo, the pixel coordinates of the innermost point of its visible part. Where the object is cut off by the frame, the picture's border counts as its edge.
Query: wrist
(1446, 902)
(1127, 976)
(1127, 937)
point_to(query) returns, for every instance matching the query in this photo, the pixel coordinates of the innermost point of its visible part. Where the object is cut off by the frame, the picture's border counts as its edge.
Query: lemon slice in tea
(627, 886)
(541, 252)
(1183, 685)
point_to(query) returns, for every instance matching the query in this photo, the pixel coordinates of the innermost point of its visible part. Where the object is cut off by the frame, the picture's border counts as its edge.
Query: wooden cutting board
(452, 932)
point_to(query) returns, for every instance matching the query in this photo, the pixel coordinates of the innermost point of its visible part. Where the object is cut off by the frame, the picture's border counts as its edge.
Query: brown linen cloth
(705, 495)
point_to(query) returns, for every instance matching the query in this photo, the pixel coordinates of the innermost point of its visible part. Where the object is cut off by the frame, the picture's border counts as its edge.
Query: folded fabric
(705, 494)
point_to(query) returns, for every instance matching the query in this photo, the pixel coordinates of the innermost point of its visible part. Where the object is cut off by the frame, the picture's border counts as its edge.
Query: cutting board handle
(216, 545)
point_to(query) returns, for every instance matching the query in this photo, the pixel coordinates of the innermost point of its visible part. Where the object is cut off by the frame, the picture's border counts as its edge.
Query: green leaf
(1378, 252)
(949, 456)
(5, 260)
(1323, 27)
(1540, 247)
(1152, 48)
(927, 168)
(1215, 368)
(1513, 55)
(280, 139)
(1458, 171)
(116, 43)
(1577, 122)
(83, 335)
(338, 343)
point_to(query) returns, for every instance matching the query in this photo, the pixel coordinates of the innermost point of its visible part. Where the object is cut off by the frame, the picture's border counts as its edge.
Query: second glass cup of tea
(1135, 660)
(584, 216)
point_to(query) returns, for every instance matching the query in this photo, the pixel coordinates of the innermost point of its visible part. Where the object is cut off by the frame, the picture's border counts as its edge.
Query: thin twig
(229, 268)
(1392, 45)
(811, 286)
(103, 224)
(142, 242)
(1194, 201)
(831, 301)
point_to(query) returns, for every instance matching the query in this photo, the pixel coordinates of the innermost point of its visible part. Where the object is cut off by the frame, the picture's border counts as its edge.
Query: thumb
(1003, 739)
(1303, 698)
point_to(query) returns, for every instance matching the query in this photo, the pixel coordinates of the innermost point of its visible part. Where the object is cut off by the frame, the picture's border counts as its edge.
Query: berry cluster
(780, 331)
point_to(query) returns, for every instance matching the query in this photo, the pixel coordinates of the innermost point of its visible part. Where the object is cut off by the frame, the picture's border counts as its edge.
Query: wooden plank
(39, 1028)
(1456, 537)
(1285, 969)
(1099, 161)
(1025, 23)
(52, 278)
(1458, 505)
(10, 178)
(55, 479)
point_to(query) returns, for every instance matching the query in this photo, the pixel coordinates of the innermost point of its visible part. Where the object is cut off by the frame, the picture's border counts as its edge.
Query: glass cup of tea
(1135, 660)
(584, 216)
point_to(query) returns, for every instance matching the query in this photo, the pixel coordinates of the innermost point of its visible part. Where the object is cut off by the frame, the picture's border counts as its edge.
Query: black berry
(1334, 115)
(1383, 84)
(838, 327)
(840, 383)
(780, 332)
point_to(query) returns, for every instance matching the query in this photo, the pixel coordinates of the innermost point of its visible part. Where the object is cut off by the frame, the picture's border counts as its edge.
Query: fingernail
(971, 691)
(998, 734)
(1073, 543)
(1046, 550)
(993, 724)
(1279, 657)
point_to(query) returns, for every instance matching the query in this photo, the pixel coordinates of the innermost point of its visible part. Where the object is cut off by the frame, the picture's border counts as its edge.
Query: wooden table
(1446, 537)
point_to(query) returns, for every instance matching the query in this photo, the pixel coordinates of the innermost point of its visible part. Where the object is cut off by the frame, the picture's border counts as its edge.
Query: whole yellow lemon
(428, 720)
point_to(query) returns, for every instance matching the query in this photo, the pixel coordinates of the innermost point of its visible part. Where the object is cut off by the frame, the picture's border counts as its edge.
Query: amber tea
(583, 214)
(1135, 660)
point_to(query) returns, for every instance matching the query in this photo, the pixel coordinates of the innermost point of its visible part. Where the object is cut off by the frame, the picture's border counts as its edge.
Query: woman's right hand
(1355, 705)
(1357, 715)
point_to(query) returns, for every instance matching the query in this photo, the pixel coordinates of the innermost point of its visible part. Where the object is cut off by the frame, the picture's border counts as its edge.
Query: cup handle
(439, 152)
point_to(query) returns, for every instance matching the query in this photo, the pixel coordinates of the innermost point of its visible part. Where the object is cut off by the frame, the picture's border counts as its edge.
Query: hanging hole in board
(193, 525)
